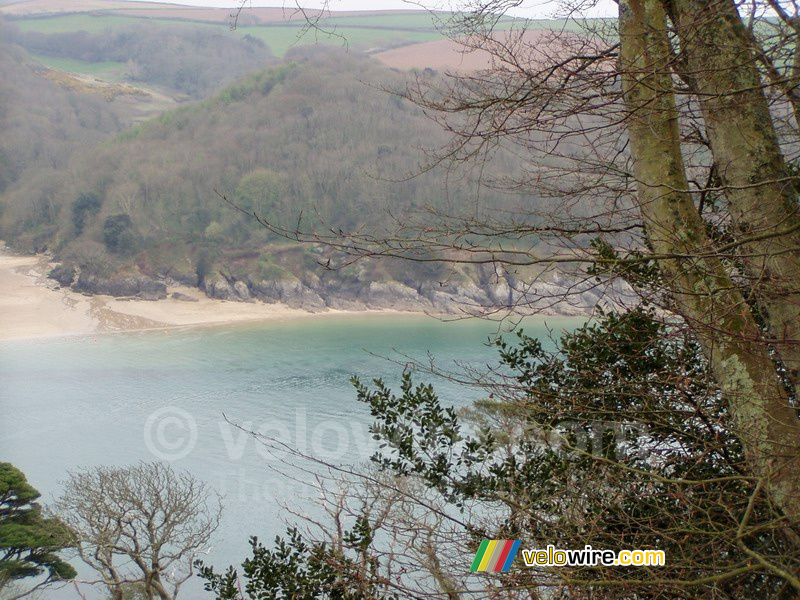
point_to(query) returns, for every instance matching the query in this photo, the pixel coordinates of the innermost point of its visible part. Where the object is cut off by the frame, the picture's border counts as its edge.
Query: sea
(256, 411)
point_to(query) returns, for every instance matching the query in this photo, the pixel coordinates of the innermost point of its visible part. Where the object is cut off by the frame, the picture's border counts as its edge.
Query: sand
(31, 305)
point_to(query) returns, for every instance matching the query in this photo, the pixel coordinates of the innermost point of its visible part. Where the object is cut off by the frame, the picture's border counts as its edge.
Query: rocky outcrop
(242, 291)
(63, 274)
(227, 289)
(292, 293)
(140, 287)
(554, 296)
(455, 298)
(219, 289)
(183, 297)
(393, 294)
(493, 289)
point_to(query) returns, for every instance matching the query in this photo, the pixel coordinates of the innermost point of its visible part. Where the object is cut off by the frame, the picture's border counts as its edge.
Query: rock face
(242, 291)
(395, 295)
(292, 293)
(494, 289)
(219, 289)
(137, 287)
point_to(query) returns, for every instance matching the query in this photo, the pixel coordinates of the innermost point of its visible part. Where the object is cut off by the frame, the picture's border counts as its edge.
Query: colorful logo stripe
(495, 555)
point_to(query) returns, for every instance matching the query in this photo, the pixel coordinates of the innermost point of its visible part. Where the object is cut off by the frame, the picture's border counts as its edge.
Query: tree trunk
(711, 304)
(721, 62)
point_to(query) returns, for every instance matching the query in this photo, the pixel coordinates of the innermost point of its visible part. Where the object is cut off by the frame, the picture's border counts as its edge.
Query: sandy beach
(31, 305)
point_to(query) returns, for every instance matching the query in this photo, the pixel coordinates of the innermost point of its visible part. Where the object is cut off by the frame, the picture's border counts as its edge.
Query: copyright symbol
(170, 433)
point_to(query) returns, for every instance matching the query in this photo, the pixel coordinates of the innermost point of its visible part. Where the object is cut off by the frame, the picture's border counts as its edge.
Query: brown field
(445, 55)
(249, 16)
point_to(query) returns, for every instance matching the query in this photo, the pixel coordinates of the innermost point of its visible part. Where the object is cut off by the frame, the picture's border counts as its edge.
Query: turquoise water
(178, 395)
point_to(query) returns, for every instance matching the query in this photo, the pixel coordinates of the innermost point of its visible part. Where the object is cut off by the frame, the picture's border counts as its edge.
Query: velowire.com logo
(495, 555)
(498, 555)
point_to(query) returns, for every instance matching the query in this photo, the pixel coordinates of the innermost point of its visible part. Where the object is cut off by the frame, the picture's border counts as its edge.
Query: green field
(393, 21)
(360, 32)
(433, 23)
(87, 22)
(278, 37)
(108, 71)
(281, 38)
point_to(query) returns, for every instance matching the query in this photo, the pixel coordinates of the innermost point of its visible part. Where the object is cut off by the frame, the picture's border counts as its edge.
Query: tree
(118, 234)
(646, 125)
(140, 525)
(260, 191)
(662, 149)
(84, 207)
(295, 569)
(621, 439)
(29, 542)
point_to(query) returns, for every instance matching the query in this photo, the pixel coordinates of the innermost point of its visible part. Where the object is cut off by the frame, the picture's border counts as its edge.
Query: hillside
(316, 134)
(306, 137)
(278, 29)
(47, 116)
(189, 62)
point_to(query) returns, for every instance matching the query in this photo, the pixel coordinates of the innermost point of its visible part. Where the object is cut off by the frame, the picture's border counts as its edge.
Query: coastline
(33, 306)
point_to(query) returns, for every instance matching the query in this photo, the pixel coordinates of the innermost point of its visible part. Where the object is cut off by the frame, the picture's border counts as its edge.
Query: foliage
(29, 541)
(84, 208)
(620, 439)
(260, 192)
(260, 82)
(194, 60)
(44, 126)
(118, 234)
(305, 137)
(214, 232)
(664, 141)
(297, 570)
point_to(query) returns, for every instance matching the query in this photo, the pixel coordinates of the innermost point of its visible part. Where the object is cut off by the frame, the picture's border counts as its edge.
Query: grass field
(282, 37)
(109, 71)
(413, 22)
(93, 23)
(394, 21)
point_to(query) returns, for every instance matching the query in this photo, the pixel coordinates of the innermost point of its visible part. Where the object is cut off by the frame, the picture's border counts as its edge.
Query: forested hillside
(318, 135)
(43, 124)
(192, 60)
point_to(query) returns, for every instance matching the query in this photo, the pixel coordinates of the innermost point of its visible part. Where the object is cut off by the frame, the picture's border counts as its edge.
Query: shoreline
(33, 306)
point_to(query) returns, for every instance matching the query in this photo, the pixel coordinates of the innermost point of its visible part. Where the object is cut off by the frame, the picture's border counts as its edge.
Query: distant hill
(308, 137)
(317, 133)
(280, 29)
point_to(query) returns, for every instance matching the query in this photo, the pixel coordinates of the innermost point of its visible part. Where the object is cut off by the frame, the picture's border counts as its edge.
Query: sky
(531, 9)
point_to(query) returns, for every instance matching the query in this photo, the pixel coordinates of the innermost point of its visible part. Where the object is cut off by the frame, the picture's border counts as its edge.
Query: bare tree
(143, 524)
